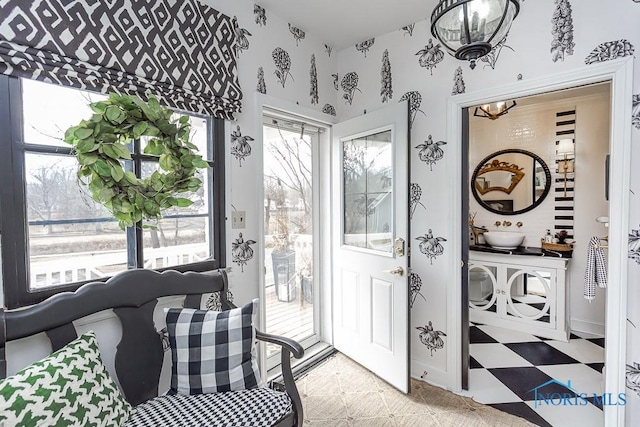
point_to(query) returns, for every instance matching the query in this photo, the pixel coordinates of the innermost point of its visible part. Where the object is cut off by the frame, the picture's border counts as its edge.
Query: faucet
(506, 223)
(497, 224)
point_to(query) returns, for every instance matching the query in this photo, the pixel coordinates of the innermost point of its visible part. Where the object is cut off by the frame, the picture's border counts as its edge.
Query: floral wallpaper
(240, 147)
(491, 59)
(431, 246)
(562, 31)
(386, 81)
(415, 196)
(280, 59)
(409, 65)
(349, 85)
(365, 46)
(431, 152)
(430, 56)
(242, 251)
(242, 40)
(431, 338)
(415, 100)
(282, 62)
(297, 33)
(608, 51)
(546, 38)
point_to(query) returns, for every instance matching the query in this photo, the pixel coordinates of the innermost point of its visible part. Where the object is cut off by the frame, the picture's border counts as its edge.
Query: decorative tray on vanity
(558, 247)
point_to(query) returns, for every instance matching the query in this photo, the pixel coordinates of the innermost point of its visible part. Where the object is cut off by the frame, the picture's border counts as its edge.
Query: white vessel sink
(503, 239)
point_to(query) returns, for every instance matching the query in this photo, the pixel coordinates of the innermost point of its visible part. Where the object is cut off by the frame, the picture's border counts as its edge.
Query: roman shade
(180, 50)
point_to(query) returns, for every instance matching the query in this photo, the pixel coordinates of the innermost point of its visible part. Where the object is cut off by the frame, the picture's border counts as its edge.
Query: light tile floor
(506, 367)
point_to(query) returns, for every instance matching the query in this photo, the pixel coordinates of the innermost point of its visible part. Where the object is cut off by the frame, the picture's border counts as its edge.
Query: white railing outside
(53, 270)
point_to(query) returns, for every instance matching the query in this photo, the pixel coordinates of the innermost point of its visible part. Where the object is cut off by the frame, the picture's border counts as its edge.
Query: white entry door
(370, 237)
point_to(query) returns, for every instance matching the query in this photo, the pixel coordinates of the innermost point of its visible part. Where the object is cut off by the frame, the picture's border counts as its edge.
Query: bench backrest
(133, 296)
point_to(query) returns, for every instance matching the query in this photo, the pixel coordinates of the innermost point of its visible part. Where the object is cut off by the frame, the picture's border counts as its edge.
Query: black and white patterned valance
(180, 50)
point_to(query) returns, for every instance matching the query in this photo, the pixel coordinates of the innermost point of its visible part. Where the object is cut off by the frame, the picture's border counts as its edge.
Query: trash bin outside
(286, 285)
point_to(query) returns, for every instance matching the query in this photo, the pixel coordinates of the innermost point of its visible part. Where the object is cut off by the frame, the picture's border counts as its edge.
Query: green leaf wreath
(101, 145)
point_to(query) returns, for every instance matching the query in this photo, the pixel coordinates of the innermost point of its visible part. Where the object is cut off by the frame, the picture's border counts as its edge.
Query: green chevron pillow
(71, 387)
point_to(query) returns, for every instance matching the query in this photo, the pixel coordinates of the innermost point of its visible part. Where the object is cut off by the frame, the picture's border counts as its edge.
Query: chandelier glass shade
(469, 29)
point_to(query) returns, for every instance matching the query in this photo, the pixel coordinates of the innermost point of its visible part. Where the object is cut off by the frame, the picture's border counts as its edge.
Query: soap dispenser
(548, 238)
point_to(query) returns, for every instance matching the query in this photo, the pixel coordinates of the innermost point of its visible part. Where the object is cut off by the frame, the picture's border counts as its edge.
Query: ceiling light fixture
(493, 111)
(469, 29)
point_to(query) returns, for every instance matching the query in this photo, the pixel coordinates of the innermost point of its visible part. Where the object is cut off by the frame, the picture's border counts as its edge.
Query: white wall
(527, 57)
(592, 145)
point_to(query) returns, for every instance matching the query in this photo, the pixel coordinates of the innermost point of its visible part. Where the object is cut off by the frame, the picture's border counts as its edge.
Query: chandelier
(493, 111)
(469, 29)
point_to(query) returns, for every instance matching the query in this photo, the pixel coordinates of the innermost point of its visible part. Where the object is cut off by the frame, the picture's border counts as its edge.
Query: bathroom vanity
(524, 290)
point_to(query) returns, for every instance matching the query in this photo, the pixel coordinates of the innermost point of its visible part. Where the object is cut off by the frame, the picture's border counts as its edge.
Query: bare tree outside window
(288, 230)
(294, 157)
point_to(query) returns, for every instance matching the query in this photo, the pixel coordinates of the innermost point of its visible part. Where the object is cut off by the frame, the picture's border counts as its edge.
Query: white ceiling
(343, 23)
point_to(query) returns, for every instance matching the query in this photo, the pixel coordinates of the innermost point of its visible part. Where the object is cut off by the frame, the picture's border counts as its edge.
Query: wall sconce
(493, 111)
(566, 147)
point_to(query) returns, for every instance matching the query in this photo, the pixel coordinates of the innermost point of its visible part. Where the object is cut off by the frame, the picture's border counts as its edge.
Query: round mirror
(511, 182)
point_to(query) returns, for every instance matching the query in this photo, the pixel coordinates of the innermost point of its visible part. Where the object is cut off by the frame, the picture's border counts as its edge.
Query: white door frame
(322, 168)
(620, 74)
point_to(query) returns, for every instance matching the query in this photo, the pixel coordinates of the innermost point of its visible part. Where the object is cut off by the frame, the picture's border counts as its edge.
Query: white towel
(596, 272)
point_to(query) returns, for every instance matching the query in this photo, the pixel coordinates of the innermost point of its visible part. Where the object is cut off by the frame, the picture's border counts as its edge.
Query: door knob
(398, 270)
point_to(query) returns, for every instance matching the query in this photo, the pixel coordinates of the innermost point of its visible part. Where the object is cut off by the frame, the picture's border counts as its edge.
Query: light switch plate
(238, 219)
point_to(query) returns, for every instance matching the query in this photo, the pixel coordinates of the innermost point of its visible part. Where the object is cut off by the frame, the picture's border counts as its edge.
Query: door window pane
(368, 197)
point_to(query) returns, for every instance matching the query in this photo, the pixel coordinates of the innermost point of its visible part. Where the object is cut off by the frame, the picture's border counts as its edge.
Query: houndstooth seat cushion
(258, 407)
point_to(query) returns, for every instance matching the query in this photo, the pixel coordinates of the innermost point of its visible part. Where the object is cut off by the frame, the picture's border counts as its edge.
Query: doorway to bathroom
(620, 74)
(536, 187)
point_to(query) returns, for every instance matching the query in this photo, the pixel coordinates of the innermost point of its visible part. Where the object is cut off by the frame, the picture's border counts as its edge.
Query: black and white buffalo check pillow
(212, 351)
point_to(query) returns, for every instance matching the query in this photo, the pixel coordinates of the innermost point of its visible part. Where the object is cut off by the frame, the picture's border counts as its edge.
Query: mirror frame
(487, 159)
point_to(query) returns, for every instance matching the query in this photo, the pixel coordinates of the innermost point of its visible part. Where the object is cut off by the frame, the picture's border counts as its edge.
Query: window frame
(14, 226)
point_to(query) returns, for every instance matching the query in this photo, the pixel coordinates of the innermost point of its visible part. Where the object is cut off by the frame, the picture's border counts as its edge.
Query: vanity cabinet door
(483, 288)
(531, 295)
(522, 293)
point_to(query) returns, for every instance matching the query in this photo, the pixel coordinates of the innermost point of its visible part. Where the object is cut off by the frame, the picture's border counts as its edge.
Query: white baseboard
(587, 327)
(428, 374)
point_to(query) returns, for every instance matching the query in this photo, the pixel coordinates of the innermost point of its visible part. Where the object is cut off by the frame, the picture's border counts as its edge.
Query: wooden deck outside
(293, 319)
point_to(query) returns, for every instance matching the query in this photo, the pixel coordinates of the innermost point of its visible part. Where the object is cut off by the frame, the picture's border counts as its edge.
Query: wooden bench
(133, 296)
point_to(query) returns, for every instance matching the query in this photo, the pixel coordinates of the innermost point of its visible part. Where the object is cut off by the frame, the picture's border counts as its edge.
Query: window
(54, 235)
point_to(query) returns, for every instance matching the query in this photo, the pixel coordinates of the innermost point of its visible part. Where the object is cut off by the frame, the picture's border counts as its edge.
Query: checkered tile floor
(507, 365)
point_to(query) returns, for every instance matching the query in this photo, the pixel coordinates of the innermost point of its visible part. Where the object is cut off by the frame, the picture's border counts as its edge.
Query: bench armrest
(288, 347)
(293, 346)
